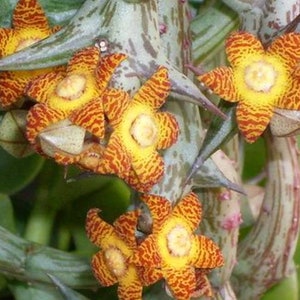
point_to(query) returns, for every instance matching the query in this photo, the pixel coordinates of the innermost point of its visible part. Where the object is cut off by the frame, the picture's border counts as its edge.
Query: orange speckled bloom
(175, 249)
(74, 94)
(117, 243)
(29, 26)
(139, 129)
(259, 79)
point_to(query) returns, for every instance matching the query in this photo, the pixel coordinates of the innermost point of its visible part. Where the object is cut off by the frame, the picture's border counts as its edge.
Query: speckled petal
(96, 228)
(160, 209)
(39, 117)
(287, 47)
(133, 181)
(203, 286)
(106, 68)
(182, 283)
(29, 13)
(66, 159)
(149, 276)
(115, 102)
(150, 169)
(209, 255)
(253, 119)
(11, 88)
(40, 88)
(155, 90)
(146, 254)
(220, 81)
(6, 39)
(239, 45)
(132, 291)
(125, 227)
(168, 130)
(90, 117)
(101, 271)
(84, 60)
(189, 208)
(291, 99)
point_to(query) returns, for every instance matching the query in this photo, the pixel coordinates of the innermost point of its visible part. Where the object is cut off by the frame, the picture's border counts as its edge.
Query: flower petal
(106, 68)
(253, 119)
(182, 283)
(149, 276)
(203, 286)
(29, 14)
(155, 90)
(101, 271)
(130, 288)
(41, 87)
(7, 41)
(291, 99)
(96, 228)
(146, 254)
(221, 82)
(287, 47)
(133, 181)
(115, 102)
(90, 117)
(84, 60)
(189, 208)
(38, 118)
(168, 130)
(66, 159)
(125, 227)
(160, 209)
(209, 255)
(239, 45)
(150, 169)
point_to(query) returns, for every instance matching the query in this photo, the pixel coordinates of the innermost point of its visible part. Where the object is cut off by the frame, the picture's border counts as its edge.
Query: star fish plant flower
(258, 79)
(139, 130)
(175, 249)
(30, 25)
(117, 242)
(74, 94)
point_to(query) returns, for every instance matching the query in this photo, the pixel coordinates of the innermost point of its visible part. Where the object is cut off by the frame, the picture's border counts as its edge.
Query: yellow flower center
(115, 261)
(26, 43)
(260, 76)
(71, 87)
(179, 241)
(144, 130)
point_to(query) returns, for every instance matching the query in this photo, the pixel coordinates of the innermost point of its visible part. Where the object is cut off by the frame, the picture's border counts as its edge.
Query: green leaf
(17, 173)
(6, 213)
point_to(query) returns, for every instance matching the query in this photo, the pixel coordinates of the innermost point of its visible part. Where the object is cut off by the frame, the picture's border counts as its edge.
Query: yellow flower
(259, 79)
(117, 243)
(73, 94)
(29, 26)
(175, 249)
(139, 130)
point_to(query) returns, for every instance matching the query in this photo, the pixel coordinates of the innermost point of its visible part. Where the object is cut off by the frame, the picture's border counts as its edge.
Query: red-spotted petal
(115, 102)
(168, 130)
(84, 60)
(66, 159)
(90, 117)
(208, 256)
(125, 227)
(130, 291)
(155, 90)
(160, 209)
(101, 271)
(96, 228)
(29, 13)
(39, 117)
(287, 47)
(41, 87)
(221, 82)
(203, 286)
(253, 119)
(106, 68)
(182, 283)
(239, 45)
(6, 38)
(291, 99)
(149, 276)
(189, 208)
(146, 254)
(133, 181)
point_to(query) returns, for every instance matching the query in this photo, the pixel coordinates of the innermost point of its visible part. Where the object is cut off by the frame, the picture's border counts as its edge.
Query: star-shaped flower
(175, 249)
(74, 94)
(117, 243)
(258, 79)
(29, 26)
(139, 130)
